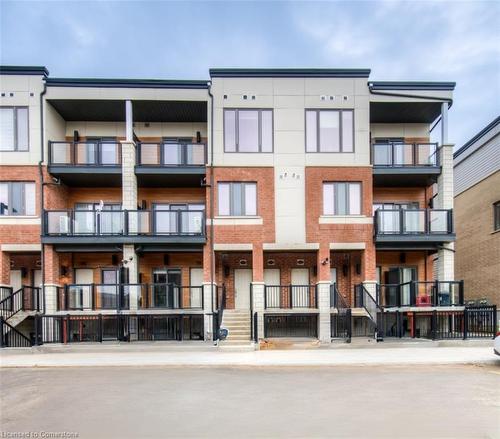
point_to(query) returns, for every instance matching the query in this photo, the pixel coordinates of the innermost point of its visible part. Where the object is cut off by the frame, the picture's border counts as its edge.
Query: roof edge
(288, 73)
(24, 70)
(127, 83)
(480, 134)
(411, 85)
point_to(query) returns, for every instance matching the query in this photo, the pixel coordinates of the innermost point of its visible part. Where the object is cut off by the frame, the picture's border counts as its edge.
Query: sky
(418, 40)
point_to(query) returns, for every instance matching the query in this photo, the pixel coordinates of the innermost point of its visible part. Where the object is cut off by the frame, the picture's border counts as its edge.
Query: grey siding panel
(483, 162)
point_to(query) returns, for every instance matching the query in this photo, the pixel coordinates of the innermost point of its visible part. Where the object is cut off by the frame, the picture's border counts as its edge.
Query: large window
(248, 130)
(496, 216)
(14, 129)
(237, 199)
(342, 198)
(17, 198)
(329, 130)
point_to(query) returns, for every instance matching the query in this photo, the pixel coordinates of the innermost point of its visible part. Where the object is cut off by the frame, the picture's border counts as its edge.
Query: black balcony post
(290, 296)
(401, 221)
(413, 295)
(450, 221)
(66, 297)
(125, 230)
(460, 292)
(93, 296)
(414, 324)
(265, 296)
(99, 327)
(68, 329)
(436, 293)
(434, 325)
(398, 295)
(466, 322)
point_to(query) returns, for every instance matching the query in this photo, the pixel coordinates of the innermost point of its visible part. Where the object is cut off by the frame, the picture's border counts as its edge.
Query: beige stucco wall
(477, 257)
(22, 86)
(289, 97)
(404, 130)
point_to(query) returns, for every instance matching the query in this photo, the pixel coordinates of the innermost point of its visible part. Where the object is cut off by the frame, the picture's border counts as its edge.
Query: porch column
(257, 287)
(129, 201)
(444, 200)
(323, 293)
(52, 282)
(444, 123)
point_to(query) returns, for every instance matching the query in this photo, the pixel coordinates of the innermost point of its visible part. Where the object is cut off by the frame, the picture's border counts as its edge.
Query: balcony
(170, 164)
(413, 228)
(154, 227)
(421, 294)
(290, 296)
(75, 162)
(405, 164)
(116, 297)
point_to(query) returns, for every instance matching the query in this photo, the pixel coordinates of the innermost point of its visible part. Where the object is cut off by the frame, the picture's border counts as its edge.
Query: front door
(109, 291)
(16, 280)
(166, 289)
(80, 294)
(37, 278)
(196, 283)
(242, 280)
(300, 287)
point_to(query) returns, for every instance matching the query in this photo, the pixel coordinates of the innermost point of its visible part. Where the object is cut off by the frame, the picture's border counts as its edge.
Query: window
(329, 131)
(496, 216)
(237, 199)
(248, 130)
(17, 198)
(14, 129)
(342, 198)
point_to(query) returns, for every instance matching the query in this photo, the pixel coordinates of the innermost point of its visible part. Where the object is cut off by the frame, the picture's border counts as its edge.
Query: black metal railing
(396, 154)
(85, 297)
(341, 324)
(87, 153)
(26, 298)
(166, 154)
(170, 296)
(470, 322)
(291, 325)
(10, 337)
(413, 222)
(121, 327)
(363, 299)
(421, 293)
(336, 299)
(154, 222)
(290, 296)
(221, 299)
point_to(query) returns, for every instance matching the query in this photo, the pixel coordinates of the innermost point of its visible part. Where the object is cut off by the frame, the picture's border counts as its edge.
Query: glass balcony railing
(88, 153)
(413, 222)
(394, 155)
(124, 223)
(166, 154)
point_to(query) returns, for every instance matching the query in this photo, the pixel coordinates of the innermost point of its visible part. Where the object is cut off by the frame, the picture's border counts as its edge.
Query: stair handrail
(5, 336)
(12, 304)
(338, 299)
(220, 310)
(370, 305)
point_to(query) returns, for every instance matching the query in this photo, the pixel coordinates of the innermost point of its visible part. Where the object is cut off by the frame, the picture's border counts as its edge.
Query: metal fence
(291, 325)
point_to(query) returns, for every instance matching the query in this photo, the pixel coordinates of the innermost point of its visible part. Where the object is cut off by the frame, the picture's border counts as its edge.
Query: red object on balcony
(424, 301)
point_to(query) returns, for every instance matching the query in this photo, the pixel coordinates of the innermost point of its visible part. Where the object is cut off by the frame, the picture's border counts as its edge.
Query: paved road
(355, 401)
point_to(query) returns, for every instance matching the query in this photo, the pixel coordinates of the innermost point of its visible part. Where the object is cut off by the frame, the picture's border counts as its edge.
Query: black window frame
(15, 108)
(341, 130)
(236, 130)
(335, 197)
(231, 210)
(496, 216)
(23, 201)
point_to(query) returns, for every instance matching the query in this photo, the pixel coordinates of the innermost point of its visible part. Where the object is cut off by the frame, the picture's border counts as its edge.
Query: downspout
(212, 251)
(40, 172)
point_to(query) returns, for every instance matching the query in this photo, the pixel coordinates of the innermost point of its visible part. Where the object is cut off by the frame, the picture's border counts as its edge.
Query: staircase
(237, 322)
(363, 299)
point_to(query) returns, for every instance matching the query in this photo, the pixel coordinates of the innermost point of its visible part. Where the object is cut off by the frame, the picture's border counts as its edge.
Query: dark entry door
(166, 288)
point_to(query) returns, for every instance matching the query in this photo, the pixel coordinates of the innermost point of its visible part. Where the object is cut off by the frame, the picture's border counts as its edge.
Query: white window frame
(347, 201)
(318, 111)
(236, 130)
(232, 184)
(15, 110)
(23, 201)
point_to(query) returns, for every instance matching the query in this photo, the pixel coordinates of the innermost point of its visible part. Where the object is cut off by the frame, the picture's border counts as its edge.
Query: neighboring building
(477, 214)
(296, 193)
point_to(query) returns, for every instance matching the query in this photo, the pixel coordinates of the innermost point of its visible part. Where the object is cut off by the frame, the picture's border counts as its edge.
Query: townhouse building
(477, 207)
(271, 202)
